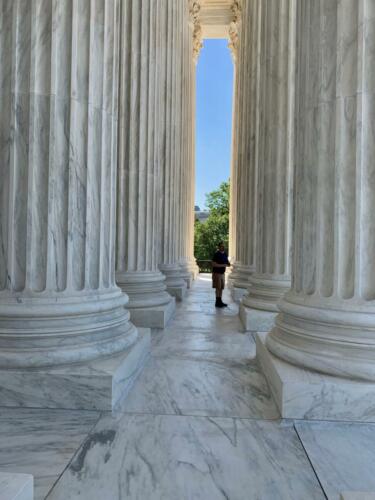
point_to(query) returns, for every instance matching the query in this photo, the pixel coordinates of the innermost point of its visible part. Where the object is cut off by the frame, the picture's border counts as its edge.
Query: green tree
(216, 227)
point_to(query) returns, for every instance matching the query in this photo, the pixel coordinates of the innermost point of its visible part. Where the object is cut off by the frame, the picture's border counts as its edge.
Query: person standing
(219, 264)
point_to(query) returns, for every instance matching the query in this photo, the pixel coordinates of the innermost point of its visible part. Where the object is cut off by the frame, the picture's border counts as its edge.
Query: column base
(175, 282)
(239, 278)
(153, 317)
(186, 273)
(195, 270)
(150, 305)
(16, 486)
(237, 293)
(179, 292)
(95, 385)
(256, 320)
(188, 278)
(304, 394)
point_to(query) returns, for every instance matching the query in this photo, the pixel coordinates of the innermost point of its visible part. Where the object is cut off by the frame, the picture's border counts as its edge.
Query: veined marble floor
(199, 424)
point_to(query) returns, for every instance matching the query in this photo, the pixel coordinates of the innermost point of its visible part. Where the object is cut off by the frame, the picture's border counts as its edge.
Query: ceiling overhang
(216, 17)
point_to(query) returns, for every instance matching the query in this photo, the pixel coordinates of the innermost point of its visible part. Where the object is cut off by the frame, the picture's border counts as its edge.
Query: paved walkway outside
(199, 424)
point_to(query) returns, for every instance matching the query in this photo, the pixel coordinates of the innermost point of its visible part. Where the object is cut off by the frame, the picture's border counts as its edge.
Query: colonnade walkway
(199, 423)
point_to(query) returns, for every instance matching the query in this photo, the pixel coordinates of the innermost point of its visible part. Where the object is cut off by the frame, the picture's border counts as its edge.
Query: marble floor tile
(342, 454)
(41, 442)
(204, 345)
(208, 388)
(218, 322)
(16, 486)
(145, 457)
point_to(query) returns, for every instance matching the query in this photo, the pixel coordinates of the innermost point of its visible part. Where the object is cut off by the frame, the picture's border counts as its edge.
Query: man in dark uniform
(219, 263)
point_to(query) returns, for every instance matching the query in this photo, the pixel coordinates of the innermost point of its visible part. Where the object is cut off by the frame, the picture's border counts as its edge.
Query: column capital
(234, 28)
(195, 23)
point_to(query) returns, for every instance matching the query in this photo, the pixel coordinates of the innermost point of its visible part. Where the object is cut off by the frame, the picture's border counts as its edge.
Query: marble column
(327, 320)
(170, 144)
(187, 261)
(243, 45)
(138, 223)
(274, 157)
(60, 309)
(183, 146)
(193, 45)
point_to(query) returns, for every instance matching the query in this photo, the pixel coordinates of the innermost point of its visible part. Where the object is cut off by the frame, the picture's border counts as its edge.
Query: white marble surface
(243, 177)
(357, 495)
(16, 486)
(41, 443)
(272, 26)
(342, 454)
(328, 318)
(140, 191)
(192, 387)
(169, 457)
(154, 316)
(302, 393)
(58, 158)
(205, 370)
(99, 384)
(140, 452)
(256, 320)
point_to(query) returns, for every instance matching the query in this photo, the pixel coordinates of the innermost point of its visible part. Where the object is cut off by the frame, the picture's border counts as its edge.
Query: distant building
(201, 215)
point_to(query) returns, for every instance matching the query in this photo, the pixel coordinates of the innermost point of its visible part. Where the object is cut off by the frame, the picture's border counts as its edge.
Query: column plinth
(149, 302)
(175, 281)
(239, 280)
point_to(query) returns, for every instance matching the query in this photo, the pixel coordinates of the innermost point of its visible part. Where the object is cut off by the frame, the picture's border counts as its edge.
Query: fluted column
(193, 45)
(170, 145)
(275, 139)
(327, 320)
(244, 47)
(58, 138)
(187, 261)
(138, 222)
(183, 144)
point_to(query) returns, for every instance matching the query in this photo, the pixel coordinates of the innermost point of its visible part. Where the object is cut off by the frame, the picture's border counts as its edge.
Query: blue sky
(214, 117)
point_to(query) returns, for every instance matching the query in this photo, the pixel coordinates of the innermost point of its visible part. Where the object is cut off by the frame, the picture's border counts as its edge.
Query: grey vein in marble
(171, 457)
(191, 387)
(41, 442)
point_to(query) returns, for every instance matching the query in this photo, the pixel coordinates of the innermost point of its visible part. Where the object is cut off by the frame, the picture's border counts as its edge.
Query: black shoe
(219, 303)
(222, 304)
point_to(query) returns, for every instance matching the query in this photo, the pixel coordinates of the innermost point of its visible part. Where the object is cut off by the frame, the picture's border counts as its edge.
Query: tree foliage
(216, 228)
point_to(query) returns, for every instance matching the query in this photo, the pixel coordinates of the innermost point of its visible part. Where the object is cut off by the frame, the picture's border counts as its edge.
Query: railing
(205, 266)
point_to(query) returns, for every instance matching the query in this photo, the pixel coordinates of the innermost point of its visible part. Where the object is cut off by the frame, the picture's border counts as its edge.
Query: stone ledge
(16, 486)
(153, 317)
(96, 385)
(303, 394)
(256, 320)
